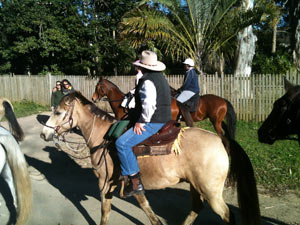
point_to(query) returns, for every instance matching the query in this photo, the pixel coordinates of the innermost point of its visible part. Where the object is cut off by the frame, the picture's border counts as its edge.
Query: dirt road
(65, 194)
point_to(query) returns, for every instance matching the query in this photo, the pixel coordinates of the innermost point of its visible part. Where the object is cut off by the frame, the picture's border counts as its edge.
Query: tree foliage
(62, 36)
(90, 36)
(194, 28)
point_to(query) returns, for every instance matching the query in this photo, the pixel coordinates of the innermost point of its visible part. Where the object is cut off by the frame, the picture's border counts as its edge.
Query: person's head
(149, 61)
(188, 63)
(66, 84)
(137, 68)
(58, 85)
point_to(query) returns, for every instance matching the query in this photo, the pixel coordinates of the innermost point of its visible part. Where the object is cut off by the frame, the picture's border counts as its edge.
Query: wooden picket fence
(252, 97)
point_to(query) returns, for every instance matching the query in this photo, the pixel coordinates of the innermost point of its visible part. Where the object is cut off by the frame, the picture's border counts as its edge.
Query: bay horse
(209, 106)
(13, 166)
(203, 162)
(284, 118)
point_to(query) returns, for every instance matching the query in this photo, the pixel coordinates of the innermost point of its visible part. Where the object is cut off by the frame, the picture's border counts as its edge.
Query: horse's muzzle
(49, 138)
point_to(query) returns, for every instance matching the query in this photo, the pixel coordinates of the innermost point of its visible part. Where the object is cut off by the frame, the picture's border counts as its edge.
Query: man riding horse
(189, 91)
(152, 111)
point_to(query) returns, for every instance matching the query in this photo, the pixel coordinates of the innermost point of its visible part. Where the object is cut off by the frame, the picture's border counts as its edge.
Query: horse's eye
(57, 113)
(283, 108)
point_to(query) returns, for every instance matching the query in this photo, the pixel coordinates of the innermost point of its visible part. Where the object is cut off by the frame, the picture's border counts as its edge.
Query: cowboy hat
(149, 61)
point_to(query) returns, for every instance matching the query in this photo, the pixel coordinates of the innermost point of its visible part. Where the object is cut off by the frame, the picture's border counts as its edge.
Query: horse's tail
(241, 172)
(230, 119)
(18, 165)
(14, 126)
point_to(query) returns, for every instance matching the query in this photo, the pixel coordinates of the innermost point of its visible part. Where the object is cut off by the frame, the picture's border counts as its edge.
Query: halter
(70, 121)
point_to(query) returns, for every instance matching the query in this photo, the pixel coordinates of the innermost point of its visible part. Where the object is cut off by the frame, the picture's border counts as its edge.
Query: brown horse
(210, 106)
(202, 161)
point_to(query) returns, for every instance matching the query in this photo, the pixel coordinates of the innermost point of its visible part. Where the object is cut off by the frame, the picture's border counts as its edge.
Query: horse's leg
(217, 123)
(220, 207)
(106, 199)
(197, 205)
(144, 204)
(106, 190)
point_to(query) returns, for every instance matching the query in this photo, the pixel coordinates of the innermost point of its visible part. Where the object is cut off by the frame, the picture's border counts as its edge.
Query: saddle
(160, 143)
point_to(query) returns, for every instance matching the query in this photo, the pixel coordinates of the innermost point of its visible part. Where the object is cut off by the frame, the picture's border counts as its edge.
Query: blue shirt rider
(189, 89)
(190, 85)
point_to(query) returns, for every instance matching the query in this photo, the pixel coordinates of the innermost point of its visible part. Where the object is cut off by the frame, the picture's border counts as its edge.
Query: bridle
(70, 120)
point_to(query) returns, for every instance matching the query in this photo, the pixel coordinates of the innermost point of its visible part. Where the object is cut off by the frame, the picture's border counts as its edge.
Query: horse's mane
(112, 84)
(84, 101)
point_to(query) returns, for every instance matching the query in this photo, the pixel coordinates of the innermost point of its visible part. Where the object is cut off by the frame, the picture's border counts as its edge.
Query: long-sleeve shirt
(148, 99)
(191, 82)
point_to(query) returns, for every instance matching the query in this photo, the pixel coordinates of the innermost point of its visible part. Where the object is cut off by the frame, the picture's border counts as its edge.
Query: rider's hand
(139, 128)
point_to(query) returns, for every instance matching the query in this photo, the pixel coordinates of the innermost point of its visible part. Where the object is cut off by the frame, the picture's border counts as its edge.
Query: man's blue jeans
(124, 144)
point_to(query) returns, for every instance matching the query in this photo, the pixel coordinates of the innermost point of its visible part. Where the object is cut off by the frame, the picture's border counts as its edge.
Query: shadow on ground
(76, 183)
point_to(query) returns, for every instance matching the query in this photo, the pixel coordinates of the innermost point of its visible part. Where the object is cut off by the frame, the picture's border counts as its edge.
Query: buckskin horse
(210, 106)
(284, 118)
(202, 161)
(13, 166)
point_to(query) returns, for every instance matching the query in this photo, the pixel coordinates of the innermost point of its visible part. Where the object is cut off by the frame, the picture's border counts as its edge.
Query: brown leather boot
(134, 186)
(186, 114)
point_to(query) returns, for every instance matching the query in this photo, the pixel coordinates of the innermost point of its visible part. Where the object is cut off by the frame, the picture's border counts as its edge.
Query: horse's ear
(101, 79)
(287, 85)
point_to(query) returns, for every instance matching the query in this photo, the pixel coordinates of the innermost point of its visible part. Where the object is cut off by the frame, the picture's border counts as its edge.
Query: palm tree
(199, 29)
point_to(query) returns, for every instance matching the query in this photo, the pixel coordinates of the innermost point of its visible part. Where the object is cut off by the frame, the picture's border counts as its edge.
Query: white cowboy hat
(189, 62)
(149, 61)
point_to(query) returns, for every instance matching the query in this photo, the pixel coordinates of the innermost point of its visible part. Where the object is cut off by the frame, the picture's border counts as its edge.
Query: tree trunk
(296, 50)
(274, 39)
(246, 47)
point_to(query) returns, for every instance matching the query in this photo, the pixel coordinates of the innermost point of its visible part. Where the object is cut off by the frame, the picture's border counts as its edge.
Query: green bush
(278, 63)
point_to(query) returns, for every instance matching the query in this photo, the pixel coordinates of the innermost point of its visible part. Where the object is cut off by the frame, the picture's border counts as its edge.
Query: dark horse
(202, 160)
(210, 106)
(284, 119)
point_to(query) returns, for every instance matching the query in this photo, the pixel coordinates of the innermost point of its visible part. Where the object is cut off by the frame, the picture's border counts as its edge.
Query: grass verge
(27, 108)
(277, 166)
